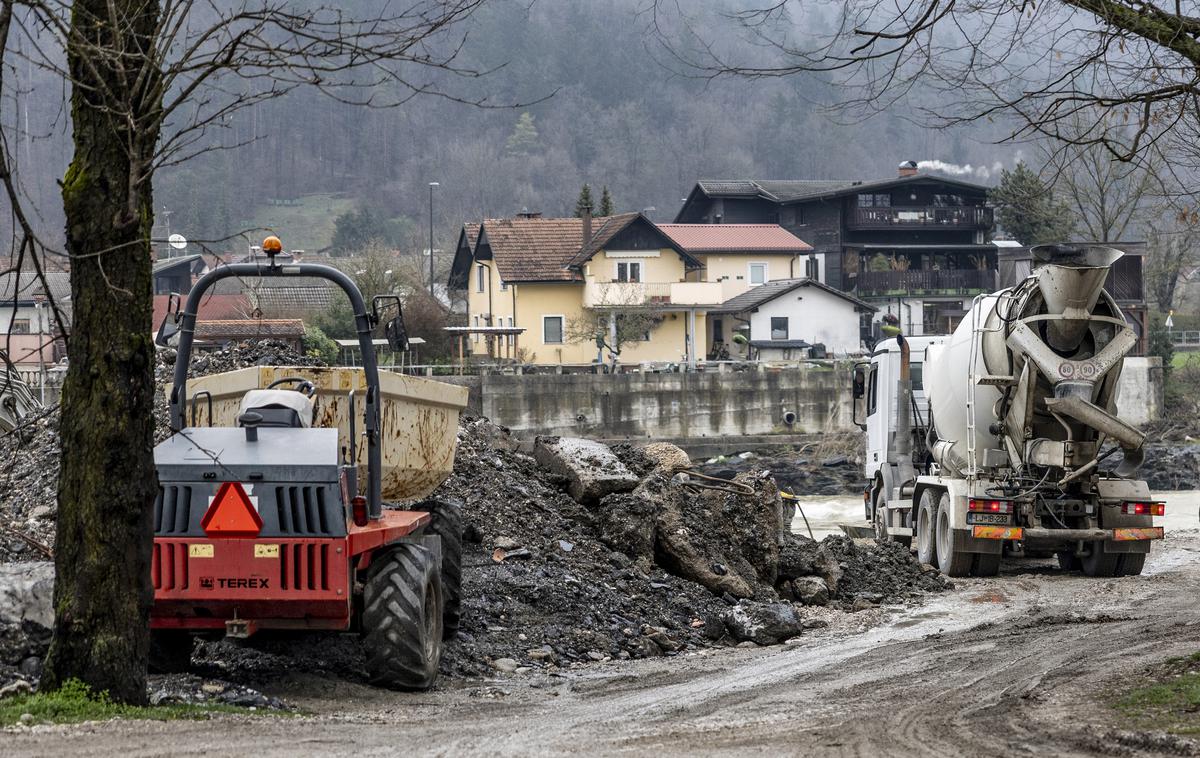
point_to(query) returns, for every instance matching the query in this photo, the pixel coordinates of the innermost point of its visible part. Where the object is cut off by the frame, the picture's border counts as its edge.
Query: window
(552, 330)
(629, 271)
(779, 327)
(19, 326)
(475, 337)
(758, 273)
(512, 338)
(480, 278)
(791, 217)
(718, 328)
(872, 389)
(812, 268)
(875, 201)
(643, 337)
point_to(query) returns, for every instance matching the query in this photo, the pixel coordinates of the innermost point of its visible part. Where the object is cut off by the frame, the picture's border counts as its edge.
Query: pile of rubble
(29, 460)
(576, 554)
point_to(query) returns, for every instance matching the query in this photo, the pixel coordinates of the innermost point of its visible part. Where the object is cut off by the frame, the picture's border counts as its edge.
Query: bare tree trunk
(102, 593)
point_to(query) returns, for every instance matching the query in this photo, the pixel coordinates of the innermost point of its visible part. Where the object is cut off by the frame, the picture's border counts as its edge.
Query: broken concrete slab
(763, 623)
(27, 593)
(591, 469)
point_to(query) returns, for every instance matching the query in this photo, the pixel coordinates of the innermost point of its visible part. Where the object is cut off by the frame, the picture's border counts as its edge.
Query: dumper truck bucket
(437, 426)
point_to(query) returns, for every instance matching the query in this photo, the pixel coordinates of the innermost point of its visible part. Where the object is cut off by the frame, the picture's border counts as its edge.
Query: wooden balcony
(921, 217)
(929, 283)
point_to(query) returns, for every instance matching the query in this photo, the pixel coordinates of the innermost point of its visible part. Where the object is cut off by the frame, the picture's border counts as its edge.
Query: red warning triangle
(231, 513)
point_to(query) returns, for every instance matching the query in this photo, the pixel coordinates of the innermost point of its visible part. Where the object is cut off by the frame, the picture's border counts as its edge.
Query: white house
(783, 320)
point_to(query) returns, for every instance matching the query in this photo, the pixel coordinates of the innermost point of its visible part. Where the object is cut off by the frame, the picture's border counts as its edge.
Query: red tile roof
(240, 329)
(734, 238)
(535, 249)
(211, 307)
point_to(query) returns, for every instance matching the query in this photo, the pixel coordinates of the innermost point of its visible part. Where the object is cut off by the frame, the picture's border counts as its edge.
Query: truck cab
(876, 410)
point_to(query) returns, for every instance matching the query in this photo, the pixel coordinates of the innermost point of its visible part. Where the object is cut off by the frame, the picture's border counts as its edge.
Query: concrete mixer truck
(988, 442)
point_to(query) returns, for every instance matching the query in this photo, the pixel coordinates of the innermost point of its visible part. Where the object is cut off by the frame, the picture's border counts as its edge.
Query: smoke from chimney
(954, 169)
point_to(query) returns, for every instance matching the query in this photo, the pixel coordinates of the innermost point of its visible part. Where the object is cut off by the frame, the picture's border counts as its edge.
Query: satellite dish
(177, 241)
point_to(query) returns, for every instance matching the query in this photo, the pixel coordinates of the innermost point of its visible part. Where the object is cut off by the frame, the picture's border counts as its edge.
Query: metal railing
(952, 281)
(1184, 337)
(955, 217)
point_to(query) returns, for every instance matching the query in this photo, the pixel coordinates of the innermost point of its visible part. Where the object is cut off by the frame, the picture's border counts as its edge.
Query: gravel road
(1017, 665)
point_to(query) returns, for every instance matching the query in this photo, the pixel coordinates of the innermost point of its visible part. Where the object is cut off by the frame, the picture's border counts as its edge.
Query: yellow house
(581, 290)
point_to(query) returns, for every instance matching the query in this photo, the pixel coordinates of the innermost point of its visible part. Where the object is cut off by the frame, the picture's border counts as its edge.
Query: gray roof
(270, 299)
(171, 263)
(755, 297)
(792, 190)
(26, 286)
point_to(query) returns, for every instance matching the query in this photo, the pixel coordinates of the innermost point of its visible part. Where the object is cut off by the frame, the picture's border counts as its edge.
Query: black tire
(402, 618)
(926, 540)
(952, 559)
(1131, 564)
(170, 651)
(1098, 562)
(880, 518)
(985, 564)
(1068, 561)
(448, 525)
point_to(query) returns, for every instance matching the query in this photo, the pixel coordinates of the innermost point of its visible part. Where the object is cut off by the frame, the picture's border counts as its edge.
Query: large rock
(27, 593)
(591, 469)
(811, 590)
(763, 624)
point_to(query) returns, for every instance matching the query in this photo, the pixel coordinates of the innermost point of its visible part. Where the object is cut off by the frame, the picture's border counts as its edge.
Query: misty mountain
(604, 106)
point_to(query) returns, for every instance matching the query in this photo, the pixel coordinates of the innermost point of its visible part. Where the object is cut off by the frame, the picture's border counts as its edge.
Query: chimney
(587, 225)
(908, 168)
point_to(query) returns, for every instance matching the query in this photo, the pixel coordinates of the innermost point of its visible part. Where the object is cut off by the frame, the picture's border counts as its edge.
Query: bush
(317, 345)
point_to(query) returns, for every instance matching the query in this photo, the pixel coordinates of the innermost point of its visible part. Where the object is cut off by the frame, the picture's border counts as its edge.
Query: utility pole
(167, 219)
(431, 186)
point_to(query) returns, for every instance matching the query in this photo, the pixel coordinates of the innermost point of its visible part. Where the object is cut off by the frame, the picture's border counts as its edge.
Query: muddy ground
(1020, 665)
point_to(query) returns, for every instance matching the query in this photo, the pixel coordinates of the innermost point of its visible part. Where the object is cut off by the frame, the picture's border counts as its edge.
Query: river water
(824, 514)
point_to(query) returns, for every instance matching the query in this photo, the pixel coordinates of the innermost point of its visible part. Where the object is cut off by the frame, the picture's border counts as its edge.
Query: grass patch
(308, 225)
(76, 702)
(1169, 700)
(1183, 360)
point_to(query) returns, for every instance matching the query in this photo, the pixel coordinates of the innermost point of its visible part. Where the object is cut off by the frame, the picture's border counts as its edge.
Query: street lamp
(431, 186)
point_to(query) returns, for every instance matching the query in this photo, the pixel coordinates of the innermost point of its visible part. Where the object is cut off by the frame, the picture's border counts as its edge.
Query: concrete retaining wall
(700, 405)
(711, 406)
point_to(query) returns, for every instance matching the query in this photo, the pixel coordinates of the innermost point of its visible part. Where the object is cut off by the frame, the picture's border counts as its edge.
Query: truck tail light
(989, 506)
(1132, 508)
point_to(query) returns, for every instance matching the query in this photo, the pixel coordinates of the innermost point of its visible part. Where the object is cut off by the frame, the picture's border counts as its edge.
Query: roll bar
(364, 322)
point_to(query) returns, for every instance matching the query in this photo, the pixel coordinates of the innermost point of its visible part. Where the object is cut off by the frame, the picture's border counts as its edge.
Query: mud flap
(972, 544)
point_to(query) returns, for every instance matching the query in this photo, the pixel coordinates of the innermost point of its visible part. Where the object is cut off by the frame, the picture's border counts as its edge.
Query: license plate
(987, 518)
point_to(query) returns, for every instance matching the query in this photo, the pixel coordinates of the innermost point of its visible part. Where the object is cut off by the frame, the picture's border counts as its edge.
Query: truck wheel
(952, 559)
(170, 651)
(402, 618)
(880, 518)
(1068, 561)
(1131, 564)
(1098, 562)
(926, 545)
(985, 564)
(448, 524)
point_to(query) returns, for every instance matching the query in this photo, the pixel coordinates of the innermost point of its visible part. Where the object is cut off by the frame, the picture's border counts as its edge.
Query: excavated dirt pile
(665, 567)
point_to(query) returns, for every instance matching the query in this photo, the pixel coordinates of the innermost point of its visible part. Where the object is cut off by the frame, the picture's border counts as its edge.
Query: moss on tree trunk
(102, 593)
